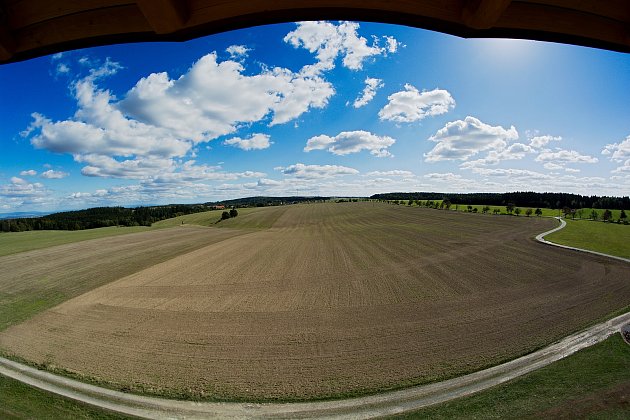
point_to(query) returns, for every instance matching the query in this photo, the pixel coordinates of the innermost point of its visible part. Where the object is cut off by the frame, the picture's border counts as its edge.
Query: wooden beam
(7, 44)
(164, 16)
(483, 14)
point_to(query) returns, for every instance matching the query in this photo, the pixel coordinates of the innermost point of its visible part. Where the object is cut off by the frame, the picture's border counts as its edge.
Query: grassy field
(592, 383)
(609, 238)
(14, 242)
(40, 279)
(334, 300)
(20, 401)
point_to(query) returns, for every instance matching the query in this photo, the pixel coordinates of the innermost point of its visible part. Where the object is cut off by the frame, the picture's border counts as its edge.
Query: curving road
(355, 408)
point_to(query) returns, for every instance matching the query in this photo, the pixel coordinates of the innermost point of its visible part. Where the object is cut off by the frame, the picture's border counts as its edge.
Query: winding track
(365, 407)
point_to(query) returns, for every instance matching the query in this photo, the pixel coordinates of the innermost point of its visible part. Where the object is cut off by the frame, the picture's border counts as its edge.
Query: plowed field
(332, 300)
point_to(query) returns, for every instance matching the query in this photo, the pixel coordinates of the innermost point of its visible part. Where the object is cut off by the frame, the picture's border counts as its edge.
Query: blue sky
(315, 108)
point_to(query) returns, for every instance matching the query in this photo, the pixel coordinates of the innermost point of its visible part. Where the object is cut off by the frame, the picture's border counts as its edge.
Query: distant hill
(22, 214)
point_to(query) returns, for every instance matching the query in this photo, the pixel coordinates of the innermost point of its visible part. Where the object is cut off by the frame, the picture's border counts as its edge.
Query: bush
(225, 215)
(233, 213)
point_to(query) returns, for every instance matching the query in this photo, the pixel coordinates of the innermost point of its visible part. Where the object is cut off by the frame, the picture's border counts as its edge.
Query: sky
(311, 108)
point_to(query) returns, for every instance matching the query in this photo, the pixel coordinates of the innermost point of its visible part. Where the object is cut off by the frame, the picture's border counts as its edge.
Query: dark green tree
(528, 212)
(233, 212)
(538, 212)
(225, 215)
(607, 216)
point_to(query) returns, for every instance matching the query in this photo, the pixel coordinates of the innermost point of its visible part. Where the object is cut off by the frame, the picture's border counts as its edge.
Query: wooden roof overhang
(32, 28)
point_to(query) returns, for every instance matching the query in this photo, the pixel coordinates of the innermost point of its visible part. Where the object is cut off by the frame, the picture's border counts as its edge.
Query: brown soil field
(36, 280)
(335, 299)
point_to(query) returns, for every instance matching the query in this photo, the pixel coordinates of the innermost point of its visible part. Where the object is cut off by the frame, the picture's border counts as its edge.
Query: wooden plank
(483, 14)
(23, 13)
(85, 26)
(164, 16)
(7, 44)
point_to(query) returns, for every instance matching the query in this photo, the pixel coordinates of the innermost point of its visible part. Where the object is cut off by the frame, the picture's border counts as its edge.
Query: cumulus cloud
(461, 139)
(538, 142)
(618, 151)
(514, 151)
(30, 172)
(348, 142)
(562, 156)
(395, 172)
(20, 193)
(300, 170)
(412, 105)
(52, 174)
(392, 44)
(329, 42)
(254, 142)
(369, 91)
(161, 118)
(237, 51)
(62, 68)
(625, 168)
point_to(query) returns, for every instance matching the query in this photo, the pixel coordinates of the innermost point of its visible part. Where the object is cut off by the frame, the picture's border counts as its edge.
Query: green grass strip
(609, 238)
(592, 383)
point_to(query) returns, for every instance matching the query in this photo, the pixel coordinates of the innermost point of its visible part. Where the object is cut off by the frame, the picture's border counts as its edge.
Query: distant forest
(144, 216)
(140, 216)
(100, 217)
(262, 201)
(519, 199)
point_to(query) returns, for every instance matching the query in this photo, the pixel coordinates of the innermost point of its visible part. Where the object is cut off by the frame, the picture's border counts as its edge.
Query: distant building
(218, 207)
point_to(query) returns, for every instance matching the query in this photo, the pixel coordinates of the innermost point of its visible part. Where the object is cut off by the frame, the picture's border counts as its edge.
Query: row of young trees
(100, 217)
(519, 199)
(511, 209)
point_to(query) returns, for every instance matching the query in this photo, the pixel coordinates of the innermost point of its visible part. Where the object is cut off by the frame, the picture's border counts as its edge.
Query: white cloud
(329, 41)
(561, 156)
(552, 166)
(162, 118)
(395, 172)
(461, 139)
(369, 91)
(538, 142)
(300, 170)
(62, 68)
(514, 151)
(98, 165)
(618, 151)
(254, 142)
(237, 51)
(348, 142)
(511, 173)
(624, 168)
(20, 193)
(412, 105)
(392, 44)
(51, 174)
(30, 172)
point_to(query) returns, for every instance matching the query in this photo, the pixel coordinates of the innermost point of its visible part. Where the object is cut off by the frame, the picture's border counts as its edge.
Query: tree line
(100, 217)
(518, 199)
